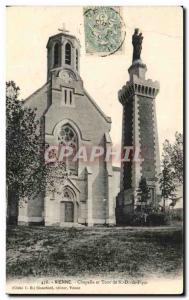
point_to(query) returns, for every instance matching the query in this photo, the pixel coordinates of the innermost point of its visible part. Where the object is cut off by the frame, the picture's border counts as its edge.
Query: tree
(175, 153)
(143, 193)
(24, 151)
(167, 177)
(56, 176)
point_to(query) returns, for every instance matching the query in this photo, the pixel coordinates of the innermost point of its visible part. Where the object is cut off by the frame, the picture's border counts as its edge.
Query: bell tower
(63, 52)
(63, 65)
(139, 130)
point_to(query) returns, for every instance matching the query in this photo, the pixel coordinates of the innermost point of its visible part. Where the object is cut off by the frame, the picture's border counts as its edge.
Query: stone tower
(139, 130)
(63, 52)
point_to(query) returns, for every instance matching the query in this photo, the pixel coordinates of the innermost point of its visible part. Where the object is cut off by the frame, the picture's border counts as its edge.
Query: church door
(69, 211)
(66, 211)
(67, 207)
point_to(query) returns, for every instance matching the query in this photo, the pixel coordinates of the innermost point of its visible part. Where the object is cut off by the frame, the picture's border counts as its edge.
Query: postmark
(104, 30)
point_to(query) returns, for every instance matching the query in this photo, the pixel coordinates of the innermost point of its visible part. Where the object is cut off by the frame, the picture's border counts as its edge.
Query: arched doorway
(68, 207)
(69, 211)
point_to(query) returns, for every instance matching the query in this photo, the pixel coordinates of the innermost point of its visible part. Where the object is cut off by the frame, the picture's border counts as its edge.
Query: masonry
(69, 115)
(139, 129)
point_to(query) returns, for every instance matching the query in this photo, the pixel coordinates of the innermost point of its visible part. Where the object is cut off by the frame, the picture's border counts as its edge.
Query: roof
(108, 119)
(38, 100)
(37, 91)
(62, 34)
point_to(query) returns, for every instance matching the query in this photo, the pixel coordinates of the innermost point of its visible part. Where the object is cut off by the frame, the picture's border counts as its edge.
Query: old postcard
(94, 150)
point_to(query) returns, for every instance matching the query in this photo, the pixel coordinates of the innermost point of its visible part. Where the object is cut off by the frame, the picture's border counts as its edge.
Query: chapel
(69, 115)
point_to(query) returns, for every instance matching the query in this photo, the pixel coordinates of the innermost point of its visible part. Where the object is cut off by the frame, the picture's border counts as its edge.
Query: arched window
(57, 55)
(68, 138)
(76, 59)
(68, 54)
(67, 195)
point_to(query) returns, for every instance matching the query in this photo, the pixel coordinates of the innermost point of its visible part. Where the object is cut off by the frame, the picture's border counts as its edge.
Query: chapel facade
(68, 114)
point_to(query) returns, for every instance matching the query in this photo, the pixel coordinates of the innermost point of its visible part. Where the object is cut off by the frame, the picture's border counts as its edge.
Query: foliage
(144, 190)
(56, 175)
(27, 173)
(24, 157)
(138, 219)
(174, 152)
(153, 218)
(167, 184)
(143, 194)
(158, 219)
(167, 176)
(176, 215)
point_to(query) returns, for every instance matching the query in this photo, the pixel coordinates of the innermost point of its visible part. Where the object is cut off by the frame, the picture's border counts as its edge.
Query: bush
(150, 219)
(176, 215)
(138, 219)
(158, 218)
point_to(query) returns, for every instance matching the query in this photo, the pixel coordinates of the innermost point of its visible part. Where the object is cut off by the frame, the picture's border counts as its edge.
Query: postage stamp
(104, 30)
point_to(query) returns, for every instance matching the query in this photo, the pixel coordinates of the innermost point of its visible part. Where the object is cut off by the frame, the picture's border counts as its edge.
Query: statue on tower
(137, 39)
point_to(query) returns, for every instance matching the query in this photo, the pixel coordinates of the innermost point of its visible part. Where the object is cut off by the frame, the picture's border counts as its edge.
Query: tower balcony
(137, 86)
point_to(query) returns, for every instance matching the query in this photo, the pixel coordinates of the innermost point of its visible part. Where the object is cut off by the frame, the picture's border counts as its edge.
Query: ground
(135, 252)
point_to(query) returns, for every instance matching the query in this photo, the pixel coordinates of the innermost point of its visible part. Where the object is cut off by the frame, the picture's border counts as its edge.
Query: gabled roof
(69, 182)
(36, 101)
(108, 119)
(37, 91)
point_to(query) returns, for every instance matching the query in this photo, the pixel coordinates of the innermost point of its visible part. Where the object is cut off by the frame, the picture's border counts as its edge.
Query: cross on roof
(63, 29)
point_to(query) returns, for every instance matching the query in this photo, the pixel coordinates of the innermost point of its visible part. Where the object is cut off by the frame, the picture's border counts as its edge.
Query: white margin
(3, 5)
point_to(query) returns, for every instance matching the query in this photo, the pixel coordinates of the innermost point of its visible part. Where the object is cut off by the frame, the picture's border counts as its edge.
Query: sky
(28, 30)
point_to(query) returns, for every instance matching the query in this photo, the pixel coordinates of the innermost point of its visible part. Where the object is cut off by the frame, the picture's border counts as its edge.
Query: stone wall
(90, 124)
(147, 138)
(128, 141)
